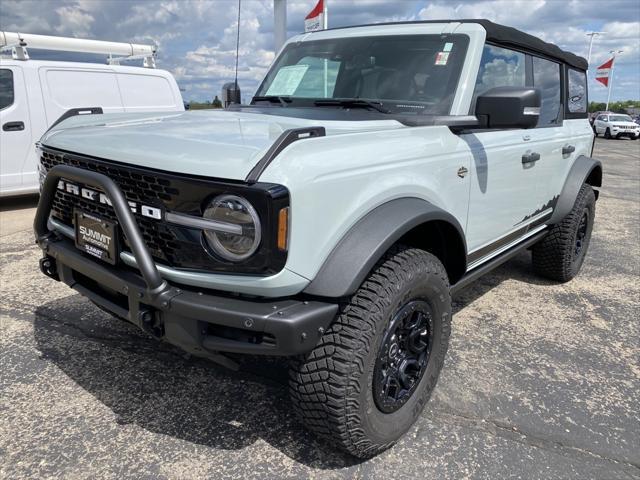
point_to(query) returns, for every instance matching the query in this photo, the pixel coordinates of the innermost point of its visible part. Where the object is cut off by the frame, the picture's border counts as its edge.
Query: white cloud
(197, 38)
(74, 21)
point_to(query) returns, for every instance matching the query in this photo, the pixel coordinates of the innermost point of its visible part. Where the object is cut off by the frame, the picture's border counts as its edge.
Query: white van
(35, 94)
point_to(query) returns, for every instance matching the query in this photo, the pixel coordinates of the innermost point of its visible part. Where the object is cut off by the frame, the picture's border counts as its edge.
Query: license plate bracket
(97, 236)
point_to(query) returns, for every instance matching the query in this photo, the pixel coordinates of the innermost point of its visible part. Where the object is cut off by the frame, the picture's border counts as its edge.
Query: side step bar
(474, 274)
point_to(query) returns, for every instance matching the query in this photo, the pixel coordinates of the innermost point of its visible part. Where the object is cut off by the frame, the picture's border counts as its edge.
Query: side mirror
(509, 107)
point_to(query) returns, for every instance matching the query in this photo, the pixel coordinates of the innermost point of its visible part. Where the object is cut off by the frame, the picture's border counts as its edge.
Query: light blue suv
(378, 170)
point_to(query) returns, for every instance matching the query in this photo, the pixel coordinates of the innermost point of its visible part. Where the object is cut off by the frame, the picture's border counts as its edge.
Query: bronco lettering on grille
(99, 197)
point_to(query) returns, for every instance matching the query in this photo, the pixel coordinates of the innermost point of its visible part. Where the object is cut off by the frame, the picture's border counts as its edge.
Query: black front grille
(174, 245)
(145, 189)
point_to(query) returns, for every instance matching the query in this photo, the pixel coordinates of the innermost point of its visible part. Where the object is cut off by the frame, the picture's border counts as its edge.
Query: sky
(196, 39)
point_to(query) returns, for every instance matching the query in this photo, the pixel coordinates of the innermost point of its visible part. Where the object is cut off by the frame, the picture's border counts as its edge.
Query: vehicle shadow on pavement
(159, 388)
(518, 268)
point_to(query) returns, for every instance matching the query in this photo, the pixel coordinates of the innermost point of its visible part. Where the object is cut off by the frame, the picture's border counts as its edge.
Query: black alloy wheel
(403, 356)
(581, 234)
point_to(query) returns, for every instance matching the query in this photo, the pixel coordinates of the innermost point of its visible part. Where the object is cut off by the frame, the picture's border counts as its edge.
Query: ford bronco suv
(377, 171)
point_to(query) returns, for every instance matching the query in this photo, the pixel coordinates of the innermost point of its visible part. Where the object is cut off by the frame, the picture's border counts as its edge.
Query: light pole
(592, 34)
(613, 64)
(279, 23)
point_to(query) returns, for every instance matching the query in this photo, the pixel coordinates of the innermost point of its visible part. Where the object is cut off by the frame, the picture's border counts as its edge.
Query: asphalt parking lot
(541, 380)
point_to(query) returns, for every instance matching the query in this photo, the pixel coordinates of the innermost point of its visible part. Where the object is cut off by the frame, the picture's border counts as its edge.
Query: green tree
(216, 102)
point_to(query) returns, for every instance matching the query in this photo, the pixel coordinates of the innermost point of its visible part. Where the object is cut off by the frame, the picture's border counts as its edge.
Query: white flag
(315, 20)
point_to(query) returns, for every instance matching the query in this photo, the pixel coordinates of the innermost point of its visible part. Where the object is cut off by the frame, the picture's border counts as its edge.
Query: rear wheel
(372, 372)
(560, 254)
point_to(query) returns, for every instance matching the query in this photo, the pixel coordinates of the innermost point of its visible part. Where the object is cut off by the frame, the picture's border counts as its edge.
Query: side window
(6, 88)
(546, 76)
(499, 67)
(577, 98)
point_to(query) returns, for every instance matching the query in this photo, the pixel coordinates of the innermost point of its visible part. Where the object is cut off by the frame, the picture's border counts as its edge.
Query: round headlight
(233, 211)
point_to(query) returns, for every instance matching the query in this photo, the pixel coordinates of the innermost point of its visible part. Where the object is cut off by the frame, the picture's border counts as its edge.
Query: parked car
(378, 171)
(616, 125)
(35, 94)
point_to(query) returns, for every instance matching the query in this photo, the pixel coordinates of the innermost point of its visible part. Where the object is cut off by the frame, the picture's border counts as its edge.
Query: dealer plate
(96, 236)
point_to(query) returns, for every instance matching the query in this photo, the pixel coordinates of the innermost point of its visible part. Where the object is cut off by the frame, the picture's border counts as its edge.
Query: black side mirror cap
(509, 107)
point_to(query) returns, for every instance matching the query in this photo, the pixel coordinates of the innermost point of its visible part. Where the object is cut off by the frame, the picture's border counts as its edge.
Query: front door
(505, 192)
(15, 129)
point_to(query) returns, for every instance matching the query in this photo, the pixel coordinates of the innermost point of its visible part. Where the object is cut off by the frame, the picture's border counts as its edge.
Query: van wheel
(372, 372)
(560, 254)
(607, 133)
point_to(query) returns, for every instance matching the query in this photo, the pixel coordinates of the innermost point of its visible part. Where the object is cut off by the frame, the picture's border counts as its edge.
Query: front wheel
(372, 372)
(560, 254)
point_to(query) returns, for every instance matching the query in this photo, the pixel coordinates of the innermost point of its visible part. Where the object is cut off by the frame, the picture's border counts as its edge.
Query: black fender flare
(363, 245)
(584, 168)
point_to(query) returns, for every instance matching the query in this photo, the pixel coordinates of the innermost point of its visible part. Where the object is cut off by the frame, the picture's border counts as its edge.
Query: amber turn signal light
(283, 228)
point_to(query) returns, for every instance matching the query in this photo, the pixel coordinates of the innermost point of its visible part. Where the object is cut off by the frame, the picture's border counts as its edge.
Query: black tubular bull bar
(202, 322)
(127, 222)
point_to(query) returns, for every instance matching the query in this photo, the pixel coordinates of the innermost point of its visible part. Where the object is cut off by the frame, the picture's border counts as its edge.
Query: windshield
(620, 118)
(409, 74)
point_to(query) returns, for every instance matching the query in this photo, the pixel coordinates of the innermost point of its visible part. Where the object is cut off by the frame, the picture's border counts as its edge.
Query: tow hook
(49, 267)
(151, 323)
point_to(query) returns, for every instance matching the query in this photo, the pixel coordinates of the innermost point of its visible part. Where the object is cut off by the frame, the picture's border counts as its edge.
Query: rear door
(552, 137)
(15, 130)
(64, 88)
(601, 124)
(148, 92)
(505, 192)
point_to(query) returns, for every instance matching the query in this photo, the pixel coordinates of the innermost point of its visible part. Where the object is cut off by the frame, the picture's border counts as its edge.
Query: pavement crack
(511, 432)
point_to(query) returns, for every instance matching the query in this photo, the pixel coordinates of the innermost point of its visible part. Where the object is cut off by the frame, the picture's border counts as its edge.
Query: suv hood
(219, 144)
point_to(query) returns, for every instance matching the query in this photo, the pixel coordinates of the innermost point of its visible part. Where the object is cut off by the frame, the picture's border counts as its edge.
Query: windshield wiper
(352, 102)
(284, 101)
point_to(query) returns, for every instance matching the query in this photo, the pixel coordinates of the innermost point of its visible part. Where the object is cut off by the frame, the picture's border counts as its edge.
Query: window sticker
(442, 58)
(447, 47)
(287, 80)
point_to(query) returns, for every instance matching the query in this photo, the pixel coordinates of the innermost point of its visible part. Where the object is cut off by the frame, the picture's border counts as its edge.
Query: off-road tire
(555, 256)
(331, 387)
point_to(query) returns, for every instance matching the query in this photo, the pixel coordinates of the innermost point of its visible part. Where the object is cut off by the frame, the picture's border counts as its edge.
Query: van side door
(15, 130)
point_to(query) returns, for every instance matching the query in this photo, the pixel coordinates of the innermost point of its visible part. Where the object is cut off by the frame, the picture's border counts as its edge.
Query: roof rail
(18, 43)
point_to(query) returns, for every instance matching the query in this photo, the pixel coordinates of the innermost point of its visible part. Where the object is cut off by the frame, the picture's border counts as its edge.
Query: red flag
(315, 20)
(603, 71)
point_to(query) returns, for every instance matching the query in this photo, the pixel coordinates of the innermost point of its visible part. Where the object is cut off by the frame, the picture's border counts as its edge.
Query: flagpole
(325, 21)
(613, 64)
(325, 15)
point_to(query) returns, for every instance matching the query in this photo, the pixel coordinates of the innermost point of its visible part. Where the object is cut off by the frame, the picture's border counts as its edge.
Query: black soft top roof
(511, 37)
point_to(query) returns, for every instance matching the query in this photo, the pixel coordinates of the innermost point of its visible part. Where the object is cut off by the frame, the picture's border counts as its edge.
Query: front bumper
(199, 321)
(618, 132)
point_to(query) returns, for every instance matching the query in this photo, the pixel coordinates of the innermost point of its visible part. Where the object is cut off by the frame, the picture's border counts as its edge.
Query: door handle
(13, 126)
(567, 149)
(530, 157)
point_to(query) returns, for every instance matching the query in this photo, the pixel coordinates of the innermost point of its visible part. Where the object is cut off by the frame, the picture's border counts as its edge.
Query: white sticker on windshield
(442, 58)
(447, 47)
(287, 80)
